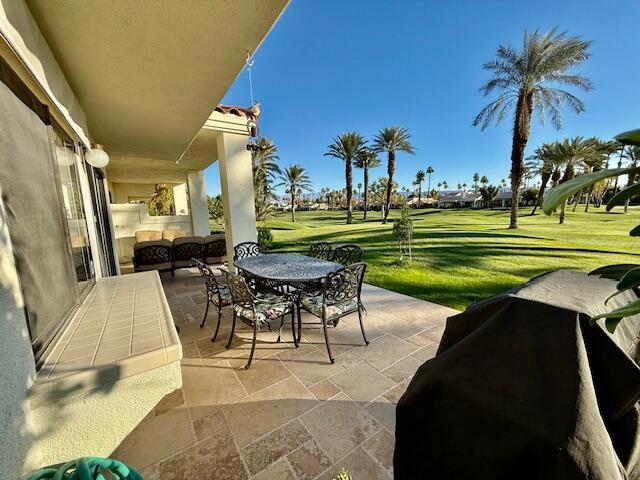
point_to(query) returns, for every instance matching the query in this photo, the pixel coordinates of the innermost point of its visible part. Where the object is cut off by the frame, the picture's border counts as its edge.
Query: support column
(236, 181)
(198, 200)
(180, 199)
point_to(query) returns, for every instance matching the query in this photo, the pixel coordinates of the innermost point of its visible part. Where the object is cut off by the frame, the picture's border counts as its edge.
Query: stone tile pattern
(292, 415)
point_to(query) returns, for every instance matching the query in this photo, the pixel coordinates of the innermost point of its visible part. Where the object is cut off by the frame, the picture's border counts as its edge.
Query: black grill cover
(523, 387)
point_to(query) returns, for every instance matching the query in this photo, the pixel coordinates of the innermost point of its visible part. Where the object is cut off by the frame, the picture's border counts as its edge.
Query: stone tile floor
(292, 415)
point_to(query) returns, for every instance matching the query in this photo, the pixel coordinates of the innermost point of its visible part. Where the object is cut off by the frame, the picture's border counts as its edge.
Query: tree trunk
(563, 207)
(544, 180)
(588, 199)
(366, 192)
(293, 207)
(348, 177)
(578, 195)
(521, 130)
(429, 187)
(420, 195)
(391, 167)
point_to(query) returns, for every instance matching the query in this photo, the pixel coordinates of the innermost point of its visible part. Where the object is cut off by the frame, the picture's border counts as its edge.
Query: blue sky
(332, 66)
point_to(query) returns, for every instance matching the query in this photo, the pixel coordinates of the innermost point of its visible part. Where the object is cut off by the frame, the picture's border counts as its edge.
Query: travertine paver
(293, 415)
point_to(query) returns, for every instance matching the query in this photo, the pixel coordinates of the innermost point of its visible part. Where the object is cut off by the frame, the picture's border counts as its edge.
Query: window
(68, 164)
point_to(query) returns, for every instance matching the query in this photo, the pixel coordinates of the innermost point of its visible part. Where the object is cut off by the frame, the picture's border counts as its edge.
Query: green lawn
(461, 256)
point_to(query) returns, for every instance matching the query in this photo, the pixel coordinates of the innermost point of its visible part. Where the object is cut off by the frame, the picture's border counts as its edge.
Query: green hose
(86, 468)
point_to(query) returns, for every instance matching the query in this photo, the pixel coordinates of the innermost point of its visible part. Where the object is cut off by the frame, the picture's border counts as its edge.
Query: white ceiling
(148, 73)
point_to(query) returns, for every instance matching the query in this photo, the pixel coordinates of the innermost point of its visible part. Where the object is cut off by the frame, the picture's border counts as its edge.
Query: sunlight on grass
(461, 256)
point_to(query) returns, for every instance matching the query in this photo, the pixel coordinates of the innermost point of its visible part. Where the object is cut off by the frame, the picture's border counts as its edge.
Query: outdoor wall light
(97, 157)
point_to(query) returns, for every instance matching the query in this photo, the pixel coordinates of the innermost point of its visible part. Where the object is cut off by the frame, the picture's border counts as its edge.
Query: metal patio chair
(217, 293)
(347, 254)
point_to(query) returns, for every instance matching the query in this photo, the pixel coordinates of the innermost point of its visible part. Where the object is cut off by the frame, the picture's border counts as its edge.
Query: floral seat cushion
(225, 296)
(313, 303)
(267, 306)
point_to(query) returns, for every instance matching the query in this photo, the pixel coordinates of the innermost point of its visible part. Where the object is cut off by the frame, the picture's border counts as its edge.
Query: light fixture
(97, 157)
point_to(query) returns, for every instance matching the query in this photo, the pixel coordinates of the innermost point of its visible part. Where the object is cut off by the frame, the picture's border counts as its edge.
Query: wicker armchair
(347, 254)
(340, 296)
(257, 309)
(217, 293)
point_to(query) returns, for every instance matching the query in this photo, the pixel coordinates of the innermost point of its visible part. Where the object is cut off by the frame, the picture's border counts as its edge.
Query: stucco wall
(123, 191)
(16, 362)
(127, 219)
(94, 423)
(20, 29)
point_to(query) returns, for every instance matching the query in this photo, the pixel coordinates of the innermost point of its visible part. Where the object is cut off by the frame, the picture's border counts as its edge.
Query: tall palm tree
(439, 187)
(264, 156)
(366, 161)
(525, 78)
(359, 190)
(296, 180)
(484, 181)
(392, 140)
(445, 185)
(419, 179)
(459, 186)
(430, 171)
(542, 162)
(571, 153)
(476, 179)
(348, 147)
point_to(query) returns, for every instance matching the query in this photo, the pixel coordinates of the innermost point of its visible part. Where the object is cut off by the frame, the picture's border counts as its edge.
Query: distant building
(459, 199)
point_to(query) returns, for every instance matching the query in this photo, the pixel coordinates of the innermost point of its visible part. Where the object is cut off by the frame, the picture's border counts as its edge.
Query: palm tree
(264, 156)
(542, 162)
(348, 147)
(439, 187)
(525, 78)
(476, 179)
(459, 186)
(571, 153)
(484, 181)
(367, 161)
(359, 191)
(430, 170)
(419, 179)
(296, 180)
(445, 185)
(392, 140)
(464, 187)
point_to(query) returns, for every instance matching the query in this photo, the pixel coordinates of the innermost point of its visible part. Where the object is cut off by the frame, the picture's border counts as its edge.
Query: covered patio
(292, 415)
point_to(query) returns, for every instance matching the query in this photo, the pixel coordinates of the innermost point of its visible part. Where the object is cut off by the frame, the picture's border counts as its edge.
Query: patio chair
(340, 296)
(152, 255)
(215, 249)
(184, 250)
(245, 250)
(217, 293)
(347, 254)
(321, 250)
(257, 309)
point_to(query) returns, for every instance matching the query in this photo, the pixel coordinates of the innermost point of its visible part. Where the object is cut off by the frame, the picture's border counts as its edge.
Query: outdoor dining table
(286, 268)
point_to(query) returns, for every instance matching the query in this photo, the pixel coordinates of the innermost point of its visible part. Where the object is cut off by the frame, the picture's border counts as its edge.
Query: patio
(293, 415)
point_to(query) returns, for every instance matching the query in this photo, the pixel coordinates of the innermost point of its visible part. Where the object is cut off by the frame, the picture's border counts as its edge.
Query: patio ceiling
(148, 75)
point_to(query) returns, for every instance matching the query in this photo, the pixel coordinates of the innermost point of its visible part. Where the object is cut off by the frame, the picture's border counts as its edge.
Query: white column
(236, 181)
(198, 199)
(180, 199)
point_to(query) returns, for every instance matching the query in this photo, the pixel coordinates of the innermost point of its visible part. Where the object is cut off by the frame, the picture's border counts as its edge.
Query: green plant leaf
(623, 195)
(631, 308)
(635, 232)
(631, 137)
(614, 272)
(630, 280)
(559, 194)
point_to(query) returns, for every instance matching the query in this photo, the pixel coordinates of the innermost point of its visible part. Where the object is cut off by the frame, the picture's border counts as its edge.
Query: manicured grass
(461, 256)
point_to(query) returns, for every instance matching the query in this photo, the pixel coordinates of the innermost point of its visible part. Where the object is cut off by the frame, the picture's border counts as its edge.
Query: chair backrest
(215, 246)
(343, 285)
(245, 250)
(210, 281)
(347, 254)
(185, 248)
(240, 293)
(320, 250)
(152, 252)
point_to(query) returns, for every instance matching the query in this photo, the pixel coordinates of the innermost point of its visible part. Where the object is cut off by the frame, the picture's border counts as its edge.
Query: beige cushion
(139, 245)
(183, 240)
(146, 235)
(173, 233)
(214, 237)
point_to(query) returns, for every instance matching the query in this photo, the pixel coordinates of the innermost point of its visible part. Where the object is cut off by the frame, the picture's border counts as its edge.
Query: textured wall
(17, 365)
(95, 422)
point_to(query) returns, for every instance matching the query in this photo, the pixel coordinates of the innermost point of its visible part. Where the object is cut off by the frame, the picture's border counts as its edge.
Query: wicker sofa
(169, 250)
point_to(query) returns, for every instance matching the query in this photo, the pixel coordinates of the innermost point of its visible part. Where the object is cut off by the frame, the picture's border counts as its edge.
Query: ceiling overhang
(148, 74)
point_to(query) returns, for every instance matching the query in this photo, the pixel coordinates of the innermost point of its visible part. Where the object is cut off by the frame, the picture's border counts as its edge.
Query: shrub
(265, 238)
